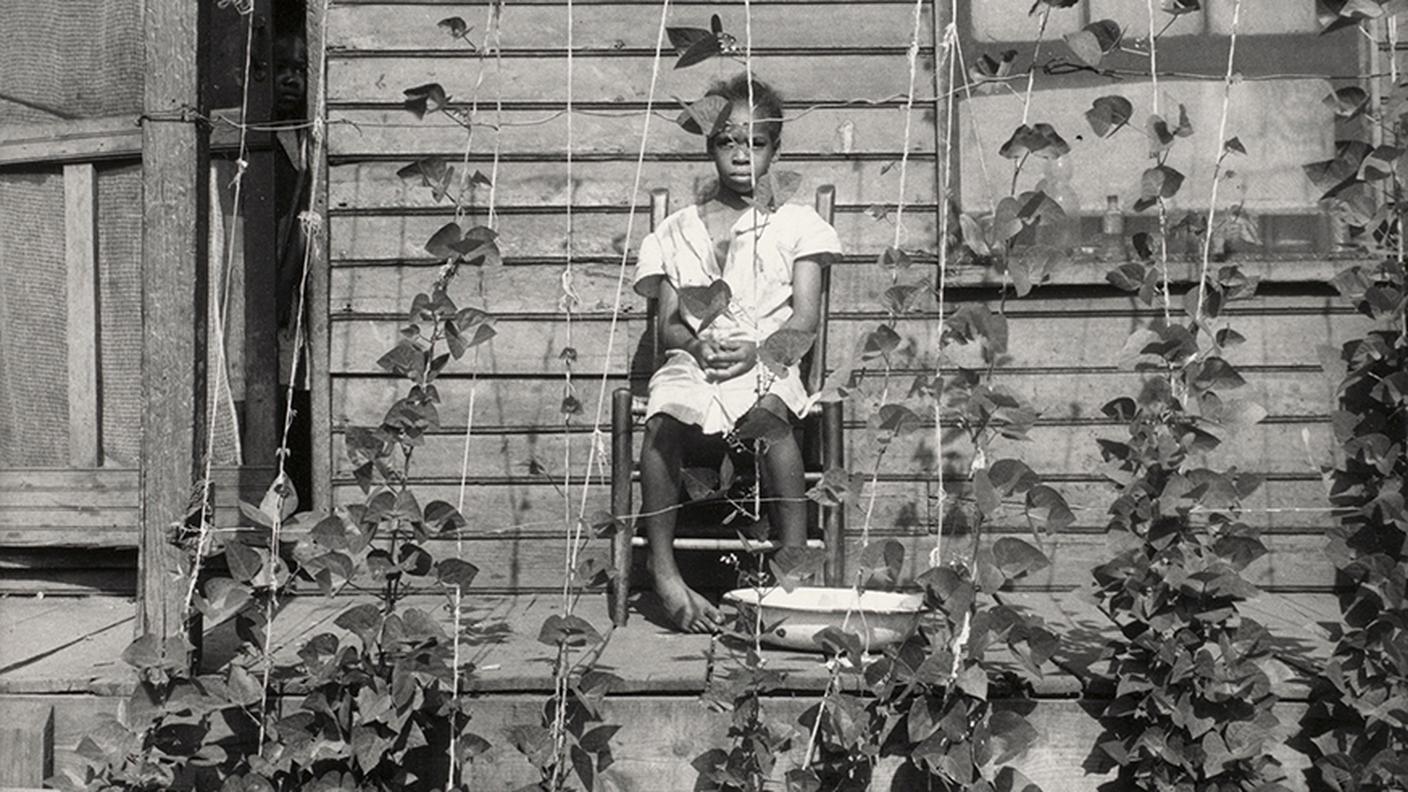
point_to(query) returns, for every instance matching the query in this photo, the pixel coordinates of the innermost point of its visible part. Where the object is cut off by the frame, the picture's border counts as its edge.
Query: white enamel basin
(879, 618)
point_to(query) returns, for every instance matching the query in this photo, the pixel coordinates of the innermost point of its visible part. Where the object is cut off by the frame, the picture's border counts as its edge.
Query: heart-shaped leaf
(897, 419)
(1047, 509)
(682, 38)
(1040, 140)
(700, 51)
(894, 259)
(1108, 113)
(455, 572)
(1348, 102)
(705, 116)
(1158, 182)
(442, 244)
(880, 342)
(1018, 558)
(1094, 41)
(570, 630)
(423, 99)
(784, 349)
(704, 304)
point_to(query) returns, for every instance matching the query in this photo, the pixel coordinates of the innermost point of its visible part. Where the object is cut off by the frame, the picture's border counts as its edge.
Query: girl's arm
(806, 293)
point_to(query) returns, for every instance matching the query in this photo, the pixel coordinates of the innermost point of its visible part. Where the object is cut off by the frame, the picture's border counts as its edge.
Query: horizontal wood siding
(844, 71)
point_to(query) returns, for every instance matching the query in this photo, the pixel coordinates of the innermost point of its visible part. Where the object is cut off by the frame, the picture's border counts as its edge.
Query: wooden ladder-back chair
(822, 440)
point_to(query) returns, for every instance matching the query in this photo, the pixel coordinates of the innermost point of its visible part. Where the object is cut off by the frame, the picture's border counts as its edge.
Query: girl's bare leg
(660, 459)
(784, 485)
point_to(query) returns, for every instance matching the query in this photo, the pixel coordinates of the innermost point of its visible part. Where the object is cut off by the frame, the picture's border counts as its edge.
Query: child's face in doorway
(290, 76)
(739, 160)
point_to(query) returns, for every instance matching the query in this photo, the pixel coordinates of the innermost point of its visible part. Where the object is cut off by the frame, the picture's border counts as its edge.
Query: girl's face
(738, 160)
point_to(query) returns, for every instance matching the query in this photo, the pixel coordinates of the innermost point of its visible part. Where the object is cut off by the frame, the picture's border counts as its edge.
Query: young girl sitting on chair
(709, 378)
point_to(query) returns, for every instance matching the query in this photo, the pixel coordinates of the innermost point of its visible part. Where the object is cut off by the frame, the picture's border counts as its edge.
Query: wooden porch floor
(73, 645)
(65, 652)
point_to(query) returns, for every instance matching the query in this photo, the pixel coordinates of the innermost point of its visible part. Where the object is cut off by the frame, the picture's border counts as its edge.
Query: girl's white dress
(758, 271)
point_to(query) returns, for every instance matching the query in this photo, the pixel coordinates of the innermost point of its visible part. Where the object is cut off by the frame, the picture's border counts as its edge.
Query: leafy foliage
(1190, 700)
(1359, 715)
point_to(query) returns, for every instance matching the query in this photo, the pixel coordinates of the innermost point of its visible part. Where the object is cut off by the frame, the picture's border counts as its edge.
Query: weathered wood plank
(830, 133)
(70, 582)
(613, 26)
(75, 140)
(81, 257)
(26, 743)
(825, 76)
(538, 234)
(175, 164)
(374, 185)
(318, 29)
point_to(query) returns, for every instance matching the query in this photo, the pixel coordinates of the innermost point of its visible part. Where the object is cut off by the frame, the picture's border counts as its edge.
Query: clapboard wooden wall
(847, 58)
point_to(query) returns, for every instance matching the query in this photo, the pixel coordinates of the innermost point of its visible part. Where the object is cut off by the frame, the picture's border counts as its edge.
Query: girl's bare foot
(686, 608)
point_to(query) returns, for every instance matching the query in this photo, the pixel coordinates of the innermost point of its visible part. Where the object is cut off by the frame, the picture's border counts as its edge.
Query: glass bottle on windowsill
(1112, 241)
(1062, 233)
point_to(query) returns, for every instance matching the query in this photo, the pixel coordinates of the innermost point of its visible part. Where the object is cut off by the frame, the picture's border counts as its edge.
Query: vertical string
(491, 35)
(1219, 153)
(950, 98)
(912, 54)
(1036, 56)
(568, 305)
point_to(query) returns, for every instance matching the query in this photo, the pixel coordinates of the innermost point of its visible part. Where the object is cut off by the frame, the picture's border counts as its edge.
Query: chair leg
(622, 464)
(833, 518)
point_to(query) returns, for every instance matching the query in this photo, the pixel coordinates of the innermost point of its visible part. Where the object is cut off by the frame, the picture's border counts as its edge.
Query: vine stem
(1163, 208)
(1036, 56)
(945, 201)
(203, 538)
(912, 54)
(1217, 171)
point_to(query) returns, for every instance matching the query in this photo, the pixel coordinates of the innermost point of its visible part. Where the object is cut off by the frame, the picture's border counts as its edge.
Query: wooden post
(26, 743)
(175, 163)
(81, 255)
(320, 384)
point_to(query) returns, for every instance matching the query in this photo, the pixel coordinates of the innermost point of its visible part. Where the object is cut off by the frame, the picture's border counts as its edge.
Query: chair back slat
(659, 210)
(814, 362)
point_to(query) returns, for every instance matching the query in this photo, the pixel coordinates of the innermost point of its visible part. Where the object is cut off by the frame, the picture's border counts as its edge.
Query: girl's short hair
(766, 101)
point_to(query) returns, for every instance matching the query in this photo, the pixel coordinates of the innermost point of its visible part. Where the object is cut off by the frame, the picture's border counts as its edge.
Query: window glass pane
(1282, 16)
(1282, 123)
(1006, 21)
